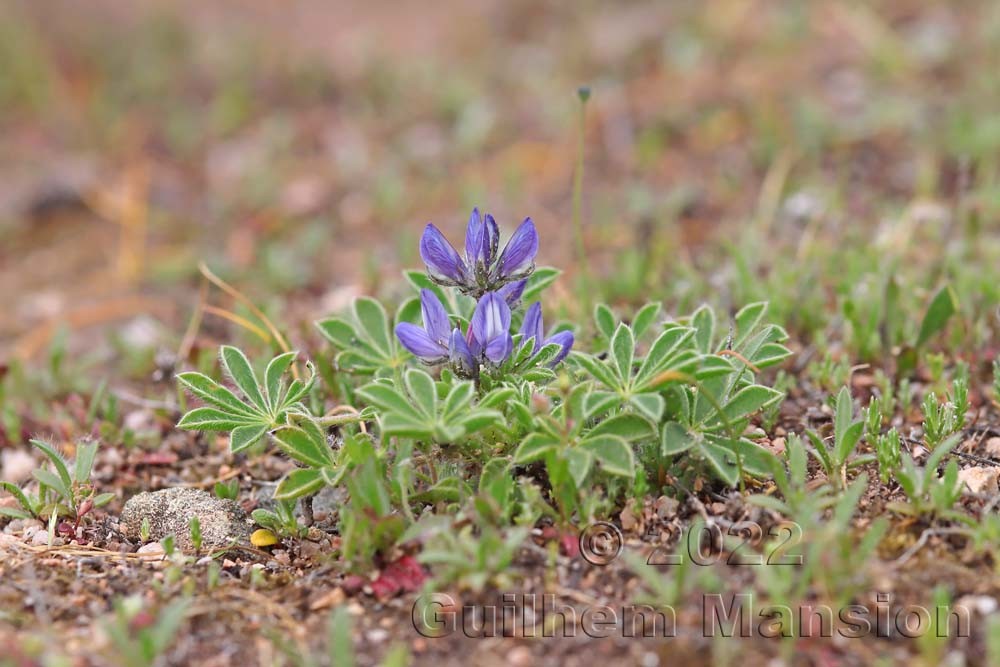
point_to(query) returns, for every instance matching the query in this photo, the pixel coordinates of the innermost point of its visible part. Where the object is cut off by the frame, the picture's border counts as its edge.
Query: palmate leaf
(365, 342)
(266, 405)
(414, 411)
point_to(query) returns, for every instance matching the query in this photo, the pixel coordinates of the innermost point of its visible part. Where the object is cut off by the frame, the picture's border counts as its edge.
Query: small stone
(223, 522)
(377, 636)
(666, 507)
(628, 516)
(151, 551)
(980, 480)
(16, 465)
(993, 447)
(983, 604)
(520, 657)
(40, 538)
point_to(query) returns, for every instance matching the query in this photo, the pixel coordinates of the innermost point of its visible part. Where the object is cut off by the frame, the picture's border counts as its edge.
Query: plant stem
(584, 94)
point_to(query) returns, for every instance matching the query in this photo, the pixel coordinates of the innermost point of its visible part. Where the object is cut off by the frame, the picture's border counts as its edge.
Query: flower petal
(491, 239)
(443, 262)
(532, 325)
(518, 256)
(491, 318)
(419, 343)
(460, 354)
(564, 338)
(511, 292)
(436, 321)
(499, 348)
(474, 235)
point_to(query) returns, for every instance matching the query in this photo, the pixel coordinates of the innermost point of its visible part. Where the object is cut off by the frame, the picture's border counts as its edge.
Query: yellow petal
(263, 538)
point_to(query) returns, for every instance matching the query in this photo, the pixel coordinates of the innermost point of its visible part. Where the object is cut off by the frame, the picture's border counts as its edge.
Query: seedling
(64, 491)
(839, 458)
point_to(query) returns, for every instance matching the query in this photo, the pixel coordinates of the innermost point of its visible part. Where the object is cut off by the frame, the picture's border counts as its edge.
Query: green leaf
(457, 400)
(703, 322)
(85, 453)
(540, 278)
(305, 446)
(243, 437)
(338, 331)
(675, 439)
(238, 368)
(597, 403)
(210, 419)
(650, 405)
(623, 351)
(298, 483)
(374, 321)
(18, 494)
(102, 499)
(58, 462)
(661, 353)
(747, 320)
(613, 453)
(645, 318)
(53, 481)
(386, 398)
(421, 388)
(211, 392)
(332, 476)
(578, 462)
(849, 440)
(628, 426)
(479, 419)
(14, 513)
(534, 447)
(497, 398)
(943, 306)
(605, 320)
(597, 369)
(721, 461)
(843, 417)
(749, 400)
(404, 426)
(756, 460)
(272, 378)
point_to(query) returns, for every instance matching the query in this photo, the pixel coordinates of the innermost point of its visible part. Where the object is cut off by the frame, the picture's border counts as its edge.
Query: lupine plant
(465, 400)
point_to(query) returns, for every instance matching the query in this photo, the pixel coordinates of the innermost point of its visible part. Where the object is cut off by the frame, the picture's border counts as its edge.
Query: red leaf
(404, 575)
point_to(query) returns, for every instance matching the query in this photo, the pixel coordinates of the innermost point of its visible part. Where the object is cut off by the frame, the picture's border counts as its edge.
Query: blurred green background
(735, 150)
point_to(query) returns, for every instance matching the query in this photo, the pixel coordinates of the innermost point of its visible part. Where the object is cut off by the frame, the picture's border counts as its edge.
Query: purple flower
(431, 343)
(489, 329)
(482, 269)
(533, 328)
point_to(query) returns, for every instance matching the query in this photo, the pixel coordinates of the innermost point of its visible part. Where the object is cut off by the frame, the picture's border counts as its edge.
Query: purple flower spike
(489, 329)
(518, 257)
(431, 343)
(444, 264)
(533, 328)
(482, 269)
(511, 292)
